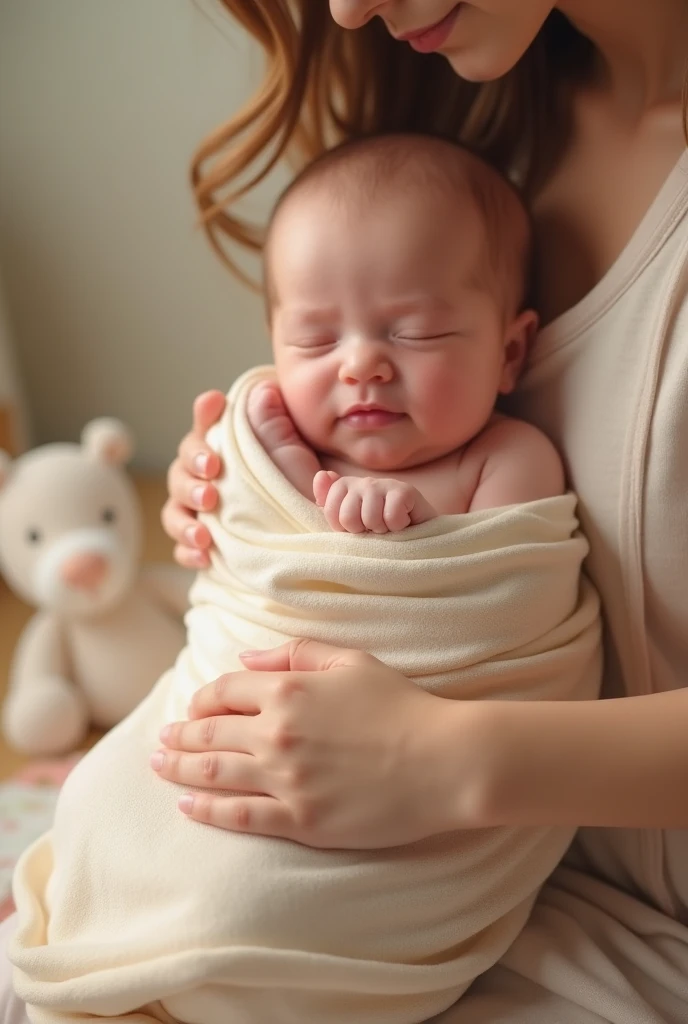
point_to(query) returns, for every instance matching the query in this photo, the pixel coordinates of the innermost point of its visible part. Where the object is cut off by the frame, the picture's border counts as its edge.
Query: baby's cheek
(440, 393)
(309, 399)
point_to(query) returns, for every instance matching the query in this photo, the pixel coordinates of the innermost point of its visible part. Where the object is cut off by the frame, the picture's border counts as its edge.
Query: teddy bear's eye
(33, 535)
(109, 515)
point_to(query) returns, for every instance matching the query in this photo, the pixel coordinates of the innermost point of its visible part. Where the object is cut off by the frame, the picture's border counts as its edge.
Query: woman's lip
(427, 40)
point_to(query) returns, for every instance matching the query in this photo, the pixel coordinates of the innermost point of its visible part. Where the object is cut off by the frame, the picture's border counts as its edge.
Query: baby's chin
(374, 455)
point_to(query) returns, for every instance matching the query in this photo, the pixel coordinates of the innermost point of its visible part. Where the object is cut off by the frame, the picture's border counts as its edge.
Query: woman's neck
(642, 46)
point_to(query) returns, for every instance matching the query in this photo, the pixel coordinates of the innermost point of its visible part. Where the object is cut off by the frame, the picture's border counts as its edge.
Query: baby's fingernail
(186, 803)
(197, 495)
(201, 463)
(165, 733)
(157, 760)
(249, 654)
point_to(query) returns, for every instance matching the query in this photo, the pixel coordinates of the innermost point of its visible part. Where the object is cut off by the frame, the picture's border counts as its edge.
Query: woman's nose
(354, 13)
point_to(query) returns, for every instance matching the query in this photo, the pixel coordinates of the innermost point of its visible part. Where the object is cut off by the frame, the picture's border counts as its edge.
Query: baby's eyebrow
(417, 304)
(308, 316)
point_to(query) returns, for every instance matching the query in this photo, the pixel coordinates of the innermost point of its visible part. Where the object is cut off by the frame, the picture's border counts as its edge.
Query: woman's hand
(332, 749)
(188, 486)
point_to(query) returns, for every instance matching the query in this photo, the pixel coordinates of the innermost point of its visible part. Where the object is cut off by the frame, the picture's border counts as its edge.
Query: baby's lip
(370, 407)
(370, 417)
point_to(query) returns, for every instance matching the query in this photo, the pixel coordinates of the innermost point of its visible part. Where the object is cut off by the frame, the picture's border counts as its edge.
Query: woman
(582, 103)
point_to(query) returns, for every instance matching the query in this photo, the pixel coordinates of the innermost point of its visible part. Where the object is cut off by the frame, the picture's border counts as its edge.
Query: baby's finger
(372, 510)
(322, 482)
(350, 513)
(335, 497)
(396, 515)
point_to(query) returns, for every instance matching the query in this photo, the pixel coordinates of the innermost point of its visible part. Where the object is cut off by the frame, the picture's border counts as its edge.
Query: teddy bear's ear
(107, 440)
(5, 466)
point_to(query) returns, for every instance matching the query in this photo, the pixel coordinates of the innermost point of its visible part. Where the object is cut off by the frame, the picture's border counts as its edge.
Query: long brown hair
(323, 84)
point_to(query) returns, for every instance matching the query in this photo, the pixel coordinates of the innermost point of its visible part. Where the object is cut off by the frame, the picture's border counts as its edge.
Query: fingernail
(186, 803)
(197, 495)
(165, 733)
(249, 654)
(200, 559)
(190, 535)
(201, 463)
(157, 760)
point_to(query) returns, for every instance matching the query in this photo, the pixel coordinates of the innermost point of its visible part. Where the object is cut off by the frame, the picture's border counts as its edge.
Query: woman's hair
(325, 85)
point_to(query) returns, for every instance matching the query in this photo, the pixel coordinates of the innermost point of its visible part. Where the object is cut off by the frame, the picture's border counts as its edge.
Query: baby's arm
(520, 464)
(355, 504)
(274, 428)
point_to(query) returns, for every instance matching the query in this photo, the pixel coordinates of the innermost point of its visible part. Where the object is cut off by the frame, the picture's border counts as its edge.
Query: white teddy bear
(70, 543)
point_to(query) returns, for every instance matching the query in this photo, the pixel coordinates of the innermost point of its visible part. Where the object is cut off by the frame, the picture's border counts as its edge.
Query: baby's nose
(85, 571)
(365, 364)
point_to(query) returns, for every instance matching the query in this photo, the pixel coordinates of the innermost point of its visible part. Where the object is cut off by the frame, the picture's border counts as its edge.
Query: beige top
(608, 382)
(607, 942)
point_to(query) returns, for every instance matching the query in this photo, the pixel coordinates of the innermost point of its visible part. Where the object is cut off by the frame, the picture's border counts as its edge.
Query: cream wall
(13, 427)
(117, 303)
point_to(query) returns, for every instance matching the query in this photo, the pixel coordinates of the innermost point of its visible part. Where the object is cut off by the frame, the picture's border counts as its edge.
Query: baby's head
(396, 274)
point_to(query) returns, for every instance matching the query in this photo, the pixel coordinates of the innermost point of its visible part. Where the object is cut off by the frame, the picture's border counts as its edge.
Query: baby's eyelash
(426, 337)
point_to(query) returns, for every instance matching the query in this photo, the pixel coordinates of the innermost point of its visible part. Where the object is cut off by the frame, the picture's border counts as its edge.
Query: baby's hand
(355, 504)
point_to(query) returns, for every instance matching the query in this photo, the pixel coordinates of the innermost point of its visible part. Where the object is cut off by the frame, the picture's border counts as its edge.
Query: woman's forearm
(614, 763)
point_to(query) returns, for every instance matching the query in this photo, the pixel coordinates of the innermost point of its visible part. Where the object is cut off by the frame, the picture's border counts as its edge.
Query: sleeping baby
(373, 497)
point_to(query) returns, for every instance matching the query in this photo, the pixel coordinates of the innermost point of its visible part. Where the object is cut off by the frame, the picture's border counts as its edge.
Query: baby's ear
(107, 440)
(518, 340)
(5, 467)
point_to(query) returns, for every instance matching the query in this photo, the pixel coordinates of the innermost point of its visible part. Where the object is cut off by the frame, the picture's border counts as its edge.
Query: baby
(396, 274)
(397, 321)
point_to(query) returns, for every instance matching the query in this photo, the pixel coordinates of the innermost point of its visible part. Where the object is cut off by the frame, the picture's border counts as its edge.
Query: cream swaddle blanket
(128, 906)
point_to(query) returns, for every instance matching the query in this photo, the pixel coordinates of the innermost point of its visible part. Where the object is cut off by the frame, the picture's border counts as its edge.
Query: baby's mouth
(371, 417)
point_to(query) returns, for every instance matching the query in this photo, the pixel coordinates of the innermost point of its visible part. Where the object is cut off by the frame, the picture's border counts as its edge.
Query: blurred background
(111, 300)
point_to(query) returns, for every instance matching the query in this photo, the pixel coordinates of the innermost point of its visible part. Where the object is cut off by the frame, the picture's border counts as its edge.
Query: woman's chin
(481, 67)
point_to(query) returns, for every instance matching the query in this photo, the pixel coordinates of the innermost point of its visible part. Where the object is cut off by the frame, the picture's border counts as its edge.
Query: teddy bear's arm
(168, 585)
(44, 713)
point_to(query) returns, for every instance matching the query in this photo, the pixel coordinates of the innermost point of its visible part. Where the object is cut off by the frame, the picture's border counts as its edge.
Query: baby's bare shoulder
(507, 434)
(518, 463)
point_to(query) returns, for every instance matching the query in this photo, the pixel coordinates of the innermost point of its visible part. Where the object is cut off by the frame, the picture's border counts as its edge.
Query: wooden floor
(14, 613)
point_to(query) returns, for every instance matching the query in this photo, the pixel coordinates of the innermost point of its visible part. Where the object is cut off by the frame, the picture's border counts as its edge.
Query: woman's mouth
(433, 37)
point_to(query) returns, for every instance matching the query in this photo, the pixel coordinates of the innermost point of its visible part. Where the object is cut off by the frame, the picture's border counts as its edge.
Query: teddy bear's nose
(85, 571)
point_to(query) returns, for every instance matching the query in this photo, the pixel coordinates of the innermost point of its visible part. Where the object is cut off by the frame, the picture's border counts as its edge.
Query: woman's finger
(234, 733)
(183, 527)
(189, 491)
(305, 656)
(195, 455)
(207, 409)
(197, 459)
(191, 558)
(209, 770)
(258, 815)
(243, 693)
